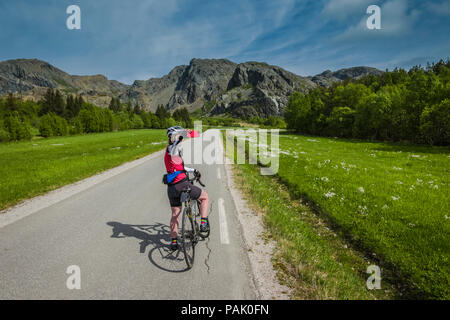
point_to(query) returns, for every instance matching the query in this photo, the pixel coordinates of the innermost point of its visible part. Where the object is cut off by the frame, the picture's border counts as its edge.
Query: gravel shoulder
(260, 249)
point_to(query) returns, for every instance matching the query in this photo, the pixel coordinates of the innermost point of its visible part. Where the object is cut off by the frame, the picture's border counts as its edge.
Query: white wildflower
(385, 207)
(329, 194)
(363, 210)
(324, 179)
(397, 168)
(361, 189)
(395, 198)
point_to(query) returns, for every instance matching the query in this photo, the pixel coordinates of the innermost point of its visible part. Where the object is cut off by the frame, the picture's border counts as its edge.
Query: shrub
(75, 126)
(53, 125)
(16, 128)
(4, 135)
(136, 122)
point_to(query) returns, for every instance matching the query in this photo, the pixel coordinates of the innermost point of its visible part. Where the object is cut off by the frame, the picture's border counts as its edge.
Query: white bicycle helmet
(176, 130)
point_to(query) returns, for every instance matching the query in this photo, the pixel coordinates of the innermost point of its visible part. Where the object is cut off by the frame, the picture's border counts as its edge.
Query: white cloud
(442, 8)
(341, 10)
(396, 20)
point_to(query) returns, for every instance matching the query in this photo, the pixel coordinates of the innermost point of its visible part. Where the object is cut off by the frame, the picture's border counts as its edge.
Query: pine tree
(11, 103)
(112, 104)
(59, 105)
(70, 106)
(162, 112)
(137, 109)
(129, 107)
(47, 102)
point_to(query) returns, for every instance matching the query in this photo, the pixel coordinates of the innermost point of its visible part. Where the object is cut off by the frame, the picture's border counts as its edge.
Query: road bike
(190, 226)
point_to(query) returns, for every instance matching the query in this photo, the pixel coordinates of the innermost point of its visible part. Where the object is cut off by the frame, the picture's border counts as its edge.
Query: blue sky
(139, 39)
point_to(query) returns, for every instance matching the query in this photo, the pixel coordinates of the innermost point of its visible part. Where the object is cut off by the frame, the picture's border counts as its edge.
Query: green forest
(56, 115)
(399, 105)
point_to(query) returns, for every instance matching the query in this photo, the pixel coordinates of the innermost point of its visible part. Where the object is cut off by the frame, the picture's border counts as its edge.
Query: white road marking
(218, 173)
(223, 223)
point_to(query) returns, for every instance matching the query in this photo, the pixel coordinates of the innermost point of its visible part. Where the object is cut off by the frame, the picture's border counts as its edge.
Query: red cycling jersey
(174, 163)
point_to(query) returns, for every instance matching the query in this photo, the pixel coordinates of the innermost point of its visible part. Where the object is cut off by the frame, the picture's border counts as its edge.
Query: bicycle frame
(190, 216)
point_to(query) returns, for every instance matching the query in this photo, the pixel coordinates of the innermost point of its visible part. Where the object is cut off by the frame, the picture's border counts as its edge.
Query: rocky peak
(328, 77)
(259, 89)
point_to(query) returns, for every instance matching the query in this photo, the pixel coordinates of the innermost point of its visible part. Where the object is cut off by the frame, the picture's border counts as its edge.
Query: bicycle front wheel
(188, 234)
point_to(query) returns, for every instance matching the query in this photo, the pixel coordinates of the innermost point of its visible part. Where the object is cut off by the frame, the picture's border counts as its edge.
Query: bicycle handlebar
(198, 180)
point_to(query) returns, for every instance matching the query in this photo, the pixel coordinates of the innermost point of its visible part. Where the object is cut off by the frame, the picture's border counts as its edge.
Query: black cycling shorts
(174, 192)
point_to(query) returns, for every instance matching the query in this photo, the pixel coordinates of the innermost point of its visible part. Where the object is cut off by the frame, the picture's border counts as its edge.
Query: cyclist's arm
(176, 151)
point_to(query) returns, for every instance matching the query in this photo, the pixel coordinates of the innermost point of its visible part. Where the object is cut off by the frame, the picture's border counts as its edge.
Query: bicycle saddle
(184, 195)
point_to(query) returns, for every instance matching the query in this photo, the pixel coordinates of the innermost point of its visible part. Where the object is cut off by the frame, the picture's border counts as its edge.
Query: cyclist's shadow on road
(158, 237)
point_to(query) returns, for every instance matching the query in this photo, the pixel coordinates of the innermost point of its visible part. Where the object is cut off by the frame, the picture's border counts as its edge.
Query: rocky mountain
(32, 77)
(259, 89)
(246, 89)
(328, 77)
(186, 86)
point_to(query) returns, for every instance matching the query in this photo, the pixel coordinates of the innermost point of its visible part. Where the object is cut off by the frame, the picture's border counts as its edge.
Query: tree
(162, 113)
(146, 119)
(53, 125)
(297, 111)
(16, 128)
(47, 102)
(11, 103)
(435, 123)
(137, 109)
(340, 122)
(114, 105)
(73, 106)
(59, 105)
(136, 122)
(129, 108)
(182, 116)
(53, 102)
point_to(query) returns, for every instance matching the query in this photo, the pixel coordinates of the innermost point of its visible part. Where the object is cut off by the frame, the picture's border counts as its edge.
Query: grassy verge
(389, 200)
(31, 168)
(310, 257)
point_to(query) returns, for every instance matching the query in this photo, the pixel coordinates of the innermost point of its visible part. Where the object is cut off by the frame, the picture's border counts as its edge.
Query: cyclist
(175, 164)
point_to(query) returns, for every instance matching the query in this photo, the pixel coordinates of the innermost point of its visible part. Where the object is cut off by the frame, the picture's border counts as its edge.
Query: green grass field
(31, 168)
(389, 200)
(309, 257)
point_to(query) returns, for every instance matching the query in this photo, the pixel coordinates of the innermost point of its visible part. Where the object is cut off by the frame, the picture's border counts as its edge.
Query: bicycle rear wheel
(188, 234)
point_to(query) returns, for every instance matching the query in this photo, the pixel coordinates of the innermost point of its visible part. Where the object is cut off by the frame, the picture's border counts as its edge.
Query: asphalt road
(117, 233)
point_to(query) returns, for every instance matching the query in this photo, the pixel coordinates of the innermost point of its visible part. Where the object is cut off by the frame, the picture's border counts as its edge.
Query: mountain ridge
(249, 88)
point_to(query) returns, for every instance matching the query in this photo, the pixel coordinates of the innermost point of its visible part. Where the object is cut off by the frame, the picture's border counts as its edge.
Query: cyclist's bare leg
(174, 221)
(204, 204)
